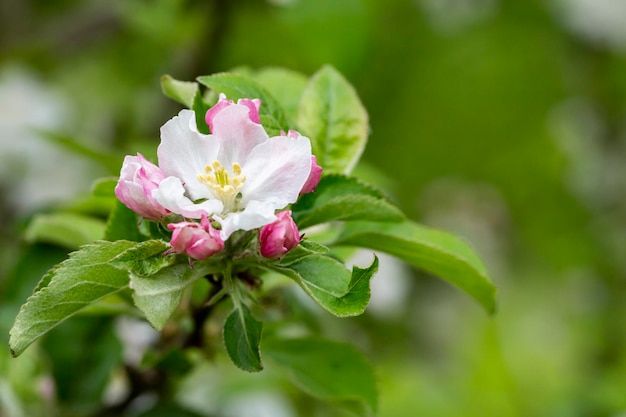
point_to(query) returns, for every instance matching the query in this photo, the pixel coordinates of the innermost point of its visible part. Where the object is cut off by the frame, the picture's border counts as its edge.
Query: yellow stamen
(222, 185)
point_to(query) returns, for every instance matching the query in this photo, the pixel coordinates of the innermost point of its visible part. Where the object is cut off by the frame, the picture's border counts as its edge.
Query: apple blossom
(237, 175)
(197, 240)
(138, 179)
(279, 237)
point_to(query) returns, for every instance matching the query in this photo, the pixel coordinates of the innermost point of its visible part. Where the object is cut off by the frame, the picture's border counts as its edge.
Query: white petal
(184, 152)
(276, 171)
(256, 214)
(171, 195)
(237, 134)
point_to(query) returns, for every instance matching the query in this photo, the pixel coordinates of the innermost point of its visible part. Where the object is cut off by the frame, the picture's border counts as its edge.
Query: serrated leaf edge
(39, 291)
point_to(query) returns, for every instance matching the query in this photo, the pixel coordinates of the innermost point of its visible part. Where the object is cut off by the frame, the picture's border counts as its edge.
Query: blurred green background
(500, 121)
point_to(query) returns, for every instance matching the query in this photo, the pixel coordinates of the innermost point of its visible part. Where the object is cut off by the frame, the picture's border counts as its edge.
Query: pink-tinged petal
(279, 237)
(149, 175)
(253, 108)
(133, 197)
(291, 134)
(196, 240)
(171, 195)
(276, 171)
(218, 107)
(138, 177)
(256, 214)
(314, 177)
(184, 153)
(149, 170)
(237, 134)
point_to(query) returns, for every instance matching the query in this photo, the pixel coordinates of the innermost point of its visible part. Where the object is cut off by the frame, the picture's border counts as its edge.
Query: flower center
(222, 184)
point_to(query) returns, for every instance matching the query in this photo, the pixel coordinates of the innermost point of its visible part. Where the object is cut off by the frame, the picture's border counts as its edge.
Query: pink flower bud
(197, 240)
(252, 105)
(278, 238)
(138, 178)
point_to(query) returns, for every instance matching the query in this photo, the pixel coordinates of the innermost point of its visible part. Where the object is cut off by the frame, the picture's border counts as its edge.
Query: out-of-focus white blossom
(136, 336)
(599, 21)
(34, 172)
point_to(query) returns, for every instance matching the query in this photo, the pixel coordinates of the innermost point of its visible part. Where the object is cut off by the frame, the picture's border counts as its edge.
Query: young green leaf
(283, 84)
(158, 295)
(273, 117)
(242, 336)
(338, 197)
(330, 284)
(305, 248)
(180, 91)
(431, 250)
(65, 229)
(332, 116)
(85, 278)
(331, 371)
(145, 259)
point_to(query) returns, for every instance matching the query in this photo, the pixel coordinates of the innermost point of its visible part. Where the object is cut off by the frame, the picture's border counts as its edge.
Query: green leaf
(145, 259)
(305, 248)
(332, 116)
(434, 251)
(331, 371)
(113, 305)
(85, 278)
(338, 197)
(312, 246)
(122, 224)
(242, 335)
(183, 92)
(236, 86)
(330, 284)
(159, 294)
(65, 229)
(285, 85)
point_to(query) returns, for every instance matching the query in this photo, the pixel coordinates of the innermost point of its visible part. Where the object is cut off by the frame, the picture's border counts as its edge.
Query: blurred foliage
(496, 120)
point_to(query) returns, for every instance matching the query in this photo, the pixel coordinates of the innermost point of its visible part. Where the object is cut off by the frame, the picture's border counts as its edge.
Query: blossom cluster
(235, 178)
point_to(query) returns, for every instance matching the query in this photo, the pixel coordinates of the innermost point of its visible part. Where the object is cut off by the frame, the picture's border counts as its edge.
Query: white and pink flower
(237, 175)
